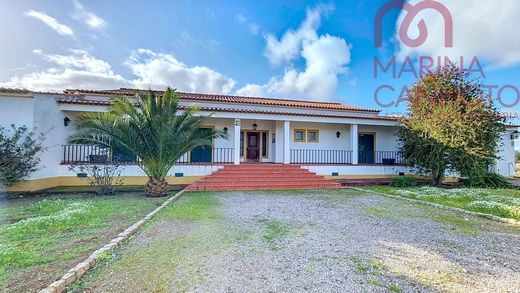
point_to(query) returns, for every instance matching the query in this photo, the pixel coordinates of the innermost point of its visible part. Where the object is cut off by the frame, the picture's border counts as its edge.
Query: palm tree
(150, 129)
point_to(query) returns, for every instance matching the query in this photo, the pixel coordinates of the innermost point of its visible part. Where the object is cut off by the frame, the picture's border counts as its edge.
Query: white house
(330, 139)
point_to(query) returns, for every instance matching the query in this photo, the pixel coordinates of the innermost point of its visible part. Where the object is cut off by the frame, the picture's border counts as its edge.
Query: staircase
(262, 177)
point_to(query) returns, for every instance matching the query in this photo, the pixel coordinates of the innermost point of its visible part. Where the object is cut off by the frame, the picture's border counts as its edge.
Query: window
(241, 144)
(264, 144)
(313, 135)
(299, 135)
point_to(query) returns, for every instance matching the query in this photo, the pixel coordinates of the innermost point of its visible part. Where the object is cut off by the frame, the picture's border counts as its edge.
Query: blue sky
(311, 50)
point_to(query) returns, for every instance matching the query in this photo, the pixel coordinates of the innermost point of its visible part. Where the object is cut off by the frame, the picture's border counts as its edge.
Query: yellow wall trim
(46, 183)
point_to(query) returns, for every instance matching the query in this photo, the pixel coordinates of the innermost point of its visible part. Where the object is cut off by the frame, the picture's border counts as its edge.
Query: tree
(19, 150)
(150, 129)
(452, 125)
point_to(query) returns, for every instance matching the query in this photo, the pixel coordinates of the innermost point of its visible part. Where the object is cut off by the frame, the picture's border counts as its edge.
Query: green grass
(49, 232)
(177, 260)
(498, 202)
(193, 206)
(274, 232)
(394, 288)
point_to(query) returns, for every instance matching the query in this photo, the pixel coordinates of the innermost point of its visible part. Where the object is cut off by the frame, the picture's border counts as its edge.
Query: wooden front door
(253, 146)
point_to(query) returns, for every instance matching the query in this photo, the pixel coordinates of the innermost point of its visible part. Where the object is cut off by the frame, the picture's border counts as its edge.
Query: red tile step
(262, 177)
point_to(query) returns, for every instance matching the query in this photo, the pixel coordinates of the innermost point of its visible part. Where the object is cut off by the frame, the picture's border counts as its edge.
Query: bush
(19, 153)
(104, 178)
(487, 180)
(404, 181)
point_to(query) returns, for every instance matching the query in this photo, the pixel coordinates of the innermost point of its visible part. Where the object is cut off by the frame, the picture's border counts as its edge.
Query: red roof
(79, 101)
(13, 91)
(227, 99)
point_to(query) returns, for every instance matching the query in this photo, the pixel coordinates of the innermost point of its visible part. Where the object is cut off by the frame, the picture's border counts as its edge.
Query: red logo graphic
(412, 11)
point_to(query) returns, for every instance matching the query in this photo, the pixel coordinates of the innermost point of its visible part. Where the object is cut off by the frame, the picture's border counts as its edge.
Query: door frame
(212, 144)
(260, 144)
(373, 133)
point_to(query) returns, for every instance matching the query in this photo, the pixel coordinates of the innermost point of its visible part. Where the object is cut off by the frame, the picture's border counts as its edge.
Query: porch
(272, 141)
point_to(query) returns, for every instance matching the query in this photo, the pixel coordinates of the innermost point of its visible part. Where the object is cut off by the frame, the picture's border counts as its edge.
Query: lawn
(308, 241)
(499, 202)
(41, 238)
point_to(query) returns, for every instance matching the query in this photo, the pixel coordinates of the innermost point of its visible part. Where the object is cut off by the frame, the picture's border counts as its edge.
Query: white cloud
(77, 70)
(240, 18)
(157, 70)
(289, 46)
(326, 57)
(80, 69)
(254, 28)
(481, 28)
(90, 19)
(51, 22)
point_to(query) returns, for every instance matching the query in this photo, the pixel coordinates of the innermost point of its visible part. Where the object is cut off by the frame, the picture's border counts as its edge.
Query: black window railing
(344, 157)
(321, 156)
(380, 158)
(89, 154)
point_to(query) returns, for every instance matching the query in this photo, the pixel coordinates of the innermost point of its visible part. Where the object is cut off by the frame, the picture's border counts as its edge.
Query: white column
(354, 144)
(286, 142)
(236, 159)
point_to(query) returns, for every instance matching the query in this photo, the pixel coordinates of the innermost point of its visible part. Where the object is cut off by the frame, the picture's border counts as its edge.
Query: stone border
(481, 215)
(80, 269)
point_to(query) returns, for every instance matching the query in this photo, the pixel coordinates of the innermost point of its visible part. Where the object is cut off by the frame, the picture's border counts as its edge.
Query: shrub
(487, 180)
(404, 181)
(104, 178)
(19, 150)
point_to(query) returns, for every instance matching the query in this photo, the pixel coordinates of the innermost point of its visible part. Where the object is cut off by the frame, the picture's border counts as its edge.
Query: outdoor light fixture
(338, 134)
(225, 130)
(66, 121)
(515, 135)
(255, 126)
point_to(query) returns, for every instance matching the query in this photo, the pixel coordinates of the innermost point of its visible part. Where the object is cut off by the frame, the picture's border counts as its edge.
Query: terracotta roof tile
(228, 99)
(13, 90)
(79, 101)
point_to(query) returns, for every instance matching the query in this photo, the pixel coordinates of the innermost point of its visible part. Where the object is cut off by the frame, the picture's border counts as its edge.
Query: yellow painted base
(46, 183)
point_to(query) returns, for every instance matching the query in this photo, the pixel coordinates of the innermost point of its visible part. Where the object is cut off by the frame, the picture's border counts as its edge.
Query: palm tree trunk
(156, 187)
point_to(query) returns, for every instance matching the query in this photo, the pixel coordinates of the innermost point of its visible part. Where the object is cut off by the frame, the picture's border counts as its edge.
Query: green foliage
(149, 127)
(404, 181)
(103, 178)
(452, 125)
(487, 180)
(499, 202)
(394, 288)
(274, 232)
(19, 150)
(55, 230)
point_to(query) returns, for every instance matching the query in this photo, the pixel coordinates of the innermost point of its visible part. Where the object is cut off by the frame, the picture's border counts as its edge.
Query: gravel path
(314, 241)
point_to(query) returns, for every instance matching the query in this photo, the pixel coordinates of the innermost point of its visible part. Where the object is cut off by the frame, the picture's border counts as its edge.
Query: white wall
(386, 139)
(327, 136)
(358, 170)
(134, 170)
(16, 110)
(506, 164)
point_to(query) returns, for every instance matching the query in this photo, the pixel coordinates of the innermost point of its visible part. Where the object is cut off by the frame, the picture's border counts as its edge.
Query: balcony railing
(89, 154)
(380, 158)
(344, 157)
(321, 156)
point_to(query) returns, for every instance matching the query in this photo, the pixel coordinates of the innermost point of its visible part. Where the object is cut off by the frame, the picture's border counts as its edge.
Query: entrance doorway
(253, 146)
(366, 148)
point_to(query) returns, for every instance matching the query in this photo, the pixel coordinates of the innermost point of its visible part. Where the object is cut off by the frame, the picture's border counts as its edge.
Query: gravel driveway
(311, 241)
